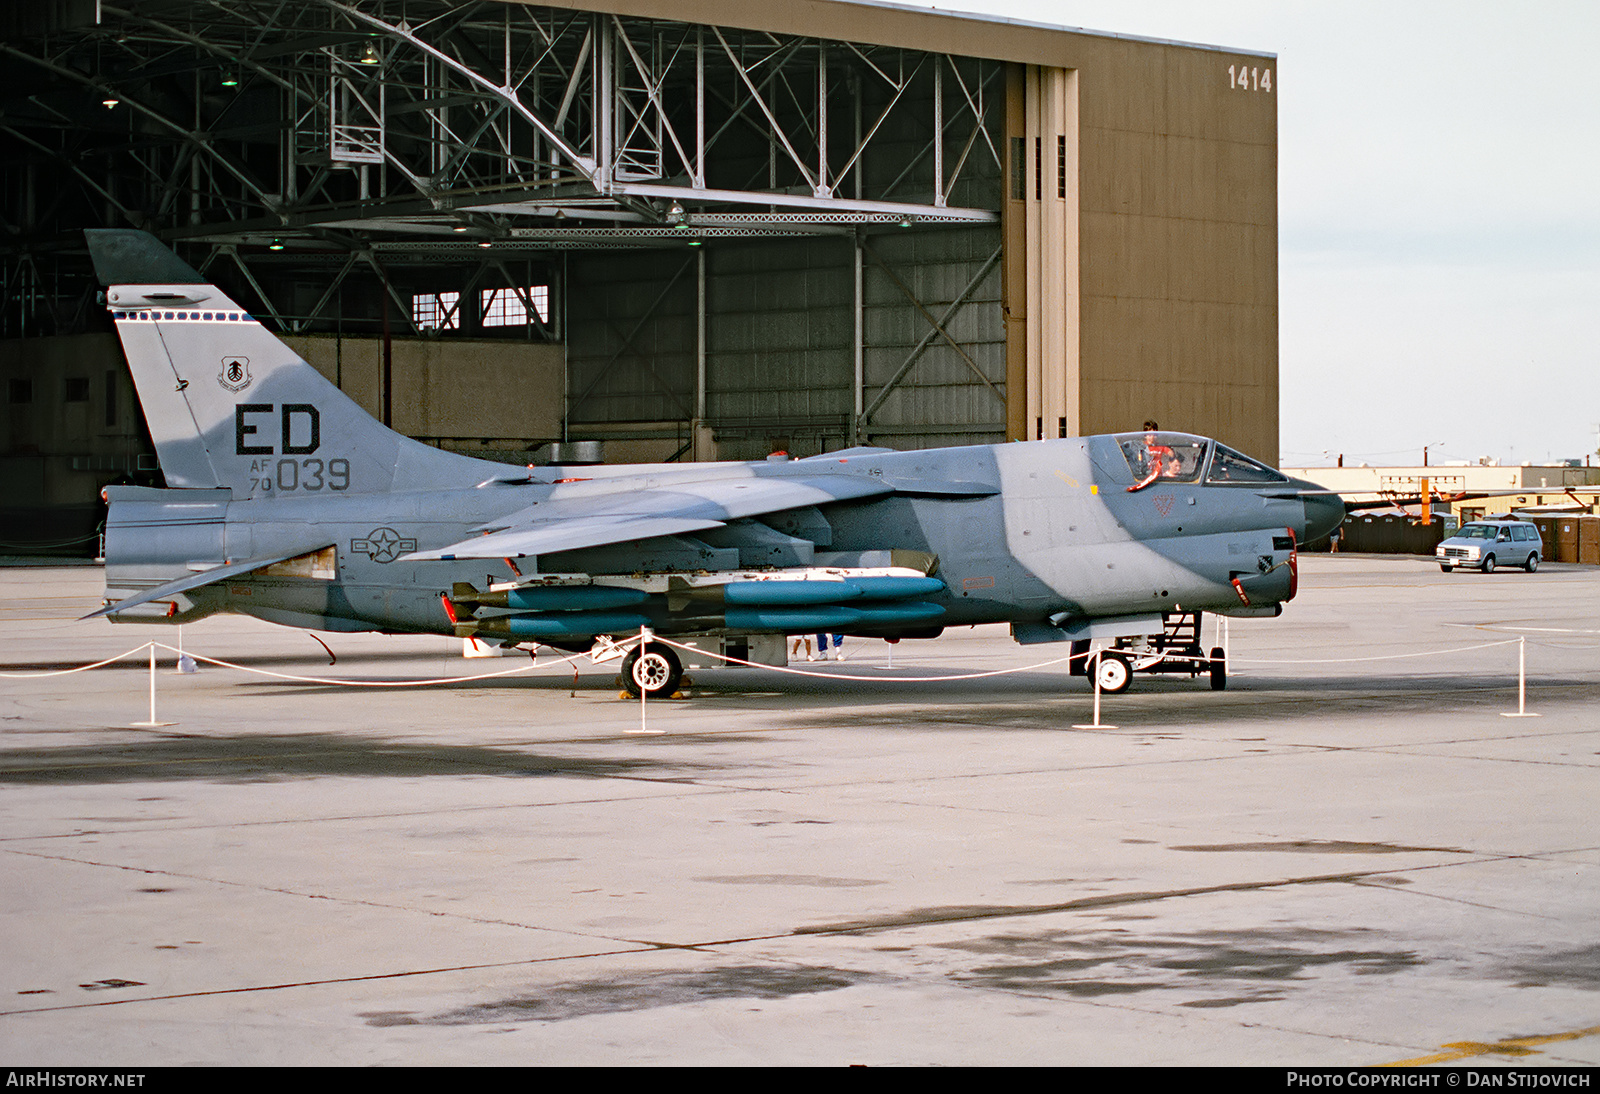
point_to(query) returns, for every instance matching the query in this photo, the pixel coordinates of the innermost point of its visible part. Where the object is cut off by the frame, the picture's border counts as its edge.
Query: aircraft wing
(943, 488)
(545, 537)
(196, 580)
(596, 520)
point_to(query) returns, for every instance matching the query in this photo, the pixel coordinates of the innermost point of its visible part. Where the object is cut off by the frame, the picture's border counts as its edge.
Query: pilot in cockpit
(1161, 462)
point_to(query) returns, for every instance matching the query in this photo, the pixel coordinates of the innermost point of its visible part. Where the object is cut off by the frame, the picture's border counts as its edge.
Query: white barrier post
(644, 725)
(1522, 681)
(152, 721)
(1094, 671)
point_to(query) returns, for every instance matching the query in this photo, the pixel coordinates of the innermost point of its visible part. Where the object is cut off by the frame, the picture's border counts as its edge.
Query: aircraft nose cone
(1324, 512)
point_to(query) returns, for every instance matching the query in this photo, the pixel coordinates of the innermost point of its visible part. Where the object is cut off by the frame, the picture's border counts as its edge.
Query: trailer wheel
(1219, 668)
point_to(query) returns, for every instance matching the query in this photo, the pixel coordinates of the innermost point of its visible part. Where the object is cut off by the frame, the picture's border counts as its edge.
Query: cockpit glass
(1230, 466)
(1168, 457)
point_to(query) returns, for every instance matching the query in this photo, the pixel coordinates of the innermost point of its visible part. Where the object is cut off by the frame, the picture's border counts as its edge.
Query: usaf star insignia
(383, 545)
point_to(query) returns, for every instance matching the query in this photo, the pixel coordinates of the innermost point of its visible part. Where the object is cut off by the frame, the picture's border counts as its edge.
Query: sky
(1439, 216)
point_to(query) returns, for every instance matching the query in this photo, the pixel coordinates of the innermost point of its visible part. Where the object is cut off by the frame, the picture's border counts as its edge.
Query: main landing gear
(653, 669)
(1176, 649)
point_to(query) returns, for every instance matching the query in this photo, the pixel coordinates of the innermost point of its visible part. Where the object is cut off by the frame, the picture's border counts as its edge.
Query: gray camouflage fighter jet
(286, 501)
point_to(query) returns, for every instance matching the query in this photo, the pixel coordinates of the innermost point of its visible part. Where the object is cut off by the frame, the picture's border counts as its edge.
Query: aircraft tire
(1112, 671)
(1488, 565)
(1219, 669)
(1532, 565)
(657, 673)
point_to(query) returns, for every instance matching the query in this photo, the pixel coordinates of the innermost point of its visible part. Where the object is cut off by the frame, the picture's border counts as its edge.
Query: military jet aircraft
(287, 502)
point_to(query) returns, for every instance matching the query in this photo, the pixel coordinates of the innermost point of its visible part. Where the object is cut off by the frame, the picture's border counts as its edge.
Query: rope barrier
(1380, 657)
(284, 675)
(645, 637)
(868, 679)
(633, 641)
(335, 681)
(80, 668)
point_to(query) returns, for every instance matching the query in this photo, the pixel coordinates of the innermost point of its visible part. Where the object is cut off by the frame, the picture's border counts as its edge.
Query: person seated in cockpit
(1161, 462)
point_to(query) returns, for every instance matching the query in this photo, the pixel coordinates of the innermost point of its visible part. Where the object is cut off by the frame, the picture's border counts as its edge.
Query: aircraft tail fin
(228, 404)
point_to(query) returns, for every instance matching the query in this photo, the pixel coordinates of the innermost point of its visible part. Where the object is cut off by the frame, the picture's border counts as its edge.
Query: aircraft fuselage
(1024, 533)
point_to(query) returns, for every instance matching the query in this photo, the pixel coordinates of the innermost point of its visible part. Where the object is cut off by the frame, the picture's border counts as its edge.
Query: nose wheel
(653, 670)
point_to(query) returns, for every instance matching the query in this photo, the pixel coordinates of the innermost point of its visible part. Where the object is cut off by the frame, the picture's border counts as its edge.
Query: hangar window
(76, 389)
(437, 311)
(510, 307)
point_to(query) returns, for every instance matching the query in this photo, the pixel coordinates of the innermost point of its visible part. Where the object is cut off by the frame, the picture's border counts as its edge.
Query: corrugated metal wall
(630, 337)
(780, 316)
(779, 333)
(780, 341)
(940, 400)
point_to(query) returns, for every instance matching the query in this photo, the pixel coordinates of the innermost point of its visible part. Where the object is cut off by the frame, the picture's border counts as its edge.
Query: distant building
(1527, 481)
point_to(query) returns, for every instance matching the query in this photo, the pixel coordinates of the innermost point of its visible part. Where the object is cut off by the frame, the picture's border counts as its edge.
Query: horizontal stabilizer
(196, 581)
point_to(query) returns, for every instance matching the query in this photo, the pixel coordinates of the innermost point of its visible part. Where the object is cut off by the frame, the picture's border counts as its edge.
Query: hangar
(688, 230)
